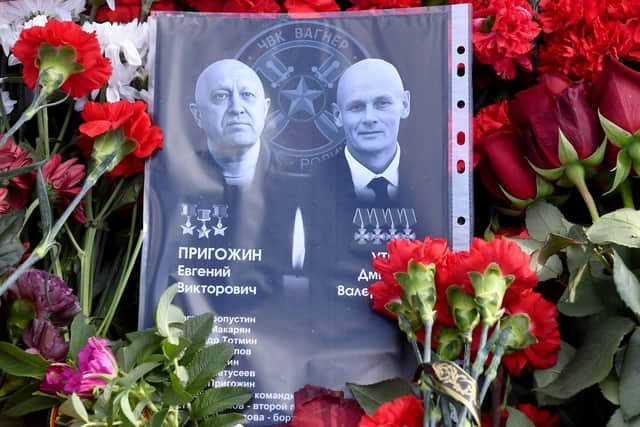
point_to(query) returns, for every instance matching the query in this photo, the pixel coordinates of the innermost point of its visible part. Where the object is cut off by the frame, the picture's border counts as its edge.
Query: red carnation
(257, 6)
(383, 4)
(296, 6)
(400, 252)
(579, 51)
(65, 181)
(85, 71)
(543, 325)
(503, 36)
(14, 157)
(134, 121)
(4, 203)
(321, 407)
(489, 119)
(558, 15)
(405, 411)
(128, 10)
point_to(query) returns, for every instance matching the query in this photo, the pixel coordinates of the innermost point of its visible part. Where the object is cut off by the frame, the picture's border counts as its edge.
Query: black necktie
(379, 186)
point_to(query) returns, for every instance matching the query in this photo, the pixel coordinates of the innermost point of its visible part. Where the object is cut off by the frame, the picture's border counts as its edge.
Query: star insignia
(203, 232)
(302, 98)
(187, 229)
(218, 230)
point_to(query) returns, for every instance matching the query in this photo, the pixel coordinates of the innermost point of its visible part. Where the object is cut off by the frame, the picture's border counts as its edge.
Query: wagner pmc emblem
(300, 63)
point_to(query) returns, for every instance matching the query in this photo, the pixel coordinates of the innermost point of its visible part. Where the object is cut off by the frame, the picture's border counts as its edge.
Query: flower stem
(492, 370)
(467, 354)
(576, 175)
(114, 194)
(86, 270)
(626, 193)
(124, 278)
(42, 145)
(65, 124)
(428, 328)
(416, 350)
(41, 250)
(26, 115)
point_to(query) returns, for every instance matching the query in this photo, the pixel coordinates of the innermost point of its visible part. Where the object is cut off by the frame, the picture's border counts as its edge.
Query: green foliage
(518, 418)
(371, 396)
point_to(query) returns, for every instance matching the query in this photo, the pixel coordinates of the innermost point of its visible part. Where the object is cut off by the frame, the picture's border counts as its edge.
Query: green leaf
(23, 402)
(196, 329)
(617, 420)
(615, 133)
(165, 315)
(552, 245)
(78, 408)
(173, 351)
(81, 331)
(226, 420)
(158, 418)
(566, 152)
(143, 344)
(543, 219)
(175, 394)
(517, 418)
(215, 400)
(630, 378)
(609, 388)
(206, 364)
(621, 226)
(125, 406)
(627, 284)
(581, 297)
(623, 167)
(544, 377)
(594, 358)
(371, 396)
(11, 248)
(18, 362)
(11, 173)
(43, 202)
(550, 270)
(137, 373)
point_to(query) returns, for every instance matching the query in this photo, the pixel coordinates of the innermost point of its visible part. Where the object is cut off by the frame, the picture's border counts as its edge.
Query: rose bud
(616, 94)
(560, 128)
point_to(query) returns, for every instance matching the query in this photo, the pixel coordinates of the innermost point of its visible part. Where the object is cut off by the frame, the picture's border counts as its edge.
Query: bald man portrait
(230, 107)
(370, 103)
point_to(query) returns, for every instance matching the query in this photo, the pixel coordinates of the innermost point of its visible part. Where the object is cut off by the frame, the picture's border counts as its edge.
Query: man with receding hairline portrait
(231, 107)
(370, 103)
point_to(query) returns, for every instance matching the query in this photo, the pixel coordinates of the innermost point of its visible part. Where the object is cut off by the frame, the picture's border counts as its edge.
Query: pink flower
(64, 180)
(95, 361)
(55, 378)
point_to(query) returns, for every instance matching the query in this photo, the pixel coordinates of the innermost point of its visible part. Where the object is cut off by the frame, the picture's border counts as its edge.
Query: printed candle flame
(298, 246)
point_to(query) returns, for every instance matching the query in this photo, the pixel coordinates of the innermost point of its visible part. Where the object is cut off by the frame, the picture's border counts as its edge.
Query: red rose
(556, 103)
(93, 69)
(405, 411)
(128, 10)
(539, 417)
(295, 6)
(616, 94)
(504, 165)
(134, 121)
(503, 35)
(321, 407)
(543, 325)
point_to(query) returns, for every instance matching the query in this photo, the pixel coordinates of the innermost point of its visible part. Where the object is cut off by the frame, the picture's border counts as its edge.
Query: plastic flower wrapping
(535, 324)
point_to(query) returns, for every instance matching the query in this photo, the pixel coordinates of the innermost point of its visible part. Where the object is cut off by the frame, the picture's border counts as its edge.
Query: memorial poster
(296, 148)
